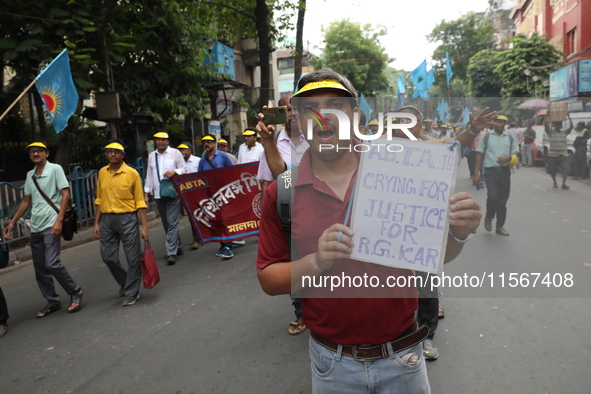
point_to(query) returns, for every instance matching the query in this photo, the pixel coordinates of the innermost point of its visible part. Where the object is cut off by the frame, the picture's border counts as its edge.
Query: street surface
(208, 326)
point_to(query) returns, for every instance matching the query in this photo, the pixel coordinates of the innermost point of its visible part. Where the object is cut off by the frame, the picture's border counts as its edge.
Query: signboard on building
(585, 76)
(564, 82)
(215, 129)
(224, 56)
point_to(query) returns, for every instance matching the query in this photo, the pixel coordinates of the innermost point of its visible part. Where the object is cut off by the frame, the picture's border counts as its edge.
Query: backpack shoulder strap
(486, 137)
(285, 193)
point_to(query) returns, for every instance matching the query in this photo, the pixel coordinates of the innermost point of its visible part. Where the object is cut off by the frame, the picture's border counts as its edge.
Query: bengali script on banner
(223, 204)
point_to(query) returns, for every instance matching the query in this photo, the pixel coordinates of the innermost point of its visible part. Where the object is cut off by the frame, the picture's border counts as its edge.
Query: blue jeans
(335, 373)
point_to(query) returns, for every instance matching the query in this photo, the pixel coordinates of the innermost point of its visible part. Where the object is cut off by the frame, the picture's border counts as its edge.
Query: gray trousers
(122, 228)
(170, 212)
(527, 157)
(45, 249)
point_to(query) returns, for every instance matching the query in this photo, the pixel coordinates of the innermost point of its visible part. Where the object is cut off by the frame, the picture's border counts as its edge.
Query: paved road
(208, 327)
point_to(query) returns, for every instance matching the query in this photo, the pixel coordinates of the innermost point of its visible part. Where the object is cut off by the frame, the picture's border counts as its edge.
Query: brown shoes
(502, 231)
(488, 224)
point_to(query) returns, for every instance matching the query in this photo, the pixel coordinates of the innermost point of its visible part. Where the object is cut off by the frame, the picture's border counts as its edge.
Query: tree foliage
(532, 51)
(150, 51)
(355, 51)
(484, 81)
(461, 38)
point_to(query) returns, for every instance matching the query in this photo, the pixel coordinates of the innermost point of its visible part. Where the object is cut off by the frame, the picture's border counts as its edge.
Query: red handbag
(150, 273)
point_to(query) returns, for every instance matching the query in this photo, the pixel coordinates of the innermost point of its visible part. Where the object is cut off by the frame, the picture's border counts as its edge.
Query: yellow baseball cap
(249, 132)
(115, 145)
(328, 84)
(503, 117)
(373, 123)
(222, 142)
(182, 146)
(427, 120)
(207, 138)
(39, 144)
(161, 134)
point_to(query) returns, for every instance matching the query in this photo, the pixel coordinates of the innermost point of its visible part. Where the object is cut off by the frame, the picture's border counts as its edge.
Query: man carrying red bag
(119, 199)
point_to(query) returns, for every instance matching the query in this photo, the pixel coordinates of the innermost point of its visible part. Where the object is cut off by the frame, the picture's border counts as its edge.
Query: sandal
(48, 310)
(296, 328)
(75, 299)
(440, 313)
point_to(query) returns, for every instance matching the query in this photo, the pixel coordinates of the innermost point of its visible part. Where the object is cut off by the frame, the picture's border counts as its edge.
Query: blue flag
(448, 72)
(465, 118)
(56, 87)
(430, 78)
(443, 110)
(419, 72)
(364, 106)
(401, 90)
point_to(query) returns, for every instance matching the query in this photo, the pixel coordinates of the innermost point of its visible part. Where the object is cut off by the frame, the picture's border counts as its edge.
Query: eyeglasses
(34, 152)
(110, 151)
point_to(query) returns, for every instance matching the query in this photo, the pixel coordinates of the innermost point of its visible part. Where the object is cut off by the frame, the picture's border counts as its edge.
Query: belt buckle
(354, 351)
(357, 358)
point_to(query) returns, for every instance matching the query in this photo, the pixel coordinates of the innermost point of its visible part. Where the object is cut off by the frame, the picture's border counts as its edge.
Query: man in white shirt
(250, 151)
(291, 145)
(163, 163)
(192, 163)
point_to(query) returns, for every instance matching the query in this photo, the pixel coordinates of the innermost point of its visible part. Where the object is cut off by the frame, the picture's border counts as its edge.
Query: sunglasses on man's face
(34, 152)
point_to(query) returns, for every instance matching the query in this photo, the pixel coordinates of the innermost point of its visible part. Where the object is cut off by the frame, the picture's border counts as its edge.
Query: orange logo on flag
(52, 98)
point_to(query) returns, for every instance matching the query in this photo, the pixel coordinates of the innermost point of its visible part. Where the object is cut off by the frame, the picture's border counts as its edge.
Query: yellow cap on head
(427, 120)
(207, 138)
(249, 132)
(161, 134)
(115, 145)
(503, 117)
(39, 144)
(373, 123)
(182, 146)
(329, 84)
(222, 142)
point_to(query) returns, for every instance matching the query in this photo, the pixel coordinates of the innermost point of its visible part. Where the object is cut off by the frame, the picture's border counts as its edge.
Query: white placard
(401, 204)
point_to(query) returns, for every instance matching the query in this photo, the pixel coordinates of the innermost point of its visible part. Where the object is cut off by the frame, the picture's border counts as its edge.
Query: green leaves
(461, 38)
(355, 51)
(532, 51)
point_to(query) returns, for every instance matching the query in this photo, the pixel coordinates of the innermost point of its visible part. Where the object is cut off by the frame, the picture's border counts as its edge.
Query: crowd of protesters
(349, 330)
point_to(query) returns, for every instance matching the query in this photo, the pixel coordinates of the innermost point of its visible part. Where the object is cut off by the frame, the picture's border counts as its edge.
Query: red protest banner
(223, 204)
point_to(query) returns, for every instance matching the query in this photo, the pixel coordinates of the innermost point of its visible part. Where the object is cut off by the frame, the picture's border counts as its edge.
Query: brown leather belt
(410, 337)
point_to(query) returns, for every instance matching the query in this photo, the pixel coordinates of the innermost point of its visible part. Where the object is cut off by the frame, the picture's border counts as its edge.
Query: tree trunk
(40, 113)
(64, 151)
(262, 25)
(299, 44)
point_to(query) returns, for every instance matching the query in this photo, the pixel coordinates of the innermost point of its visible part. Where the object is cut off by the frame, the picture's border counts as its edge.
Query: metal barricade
(10, 198)
(83, 190)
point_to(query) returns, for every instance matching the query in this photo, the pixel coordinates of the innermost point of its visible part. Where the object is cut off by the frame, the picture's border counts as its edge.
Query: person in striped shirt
(557, 160)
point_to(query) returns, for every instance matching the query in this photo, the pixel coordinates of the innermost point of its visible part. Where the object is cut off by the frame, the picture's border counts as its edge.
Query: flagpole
(17, 99)
(449, 99)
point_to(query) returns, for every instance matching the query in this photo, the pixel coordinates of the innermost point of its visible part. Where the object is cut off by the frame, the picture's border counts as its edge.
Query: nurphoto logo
(315, 117)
